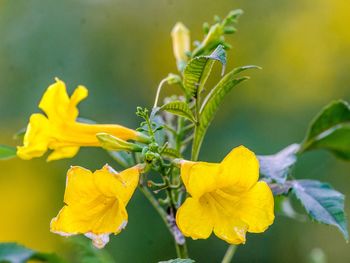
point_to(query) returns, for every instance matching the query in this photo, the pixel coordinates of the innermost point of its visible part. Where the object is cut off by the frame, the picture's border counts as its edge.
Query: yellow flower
(60, 131)
(95, 203)
(225, 198)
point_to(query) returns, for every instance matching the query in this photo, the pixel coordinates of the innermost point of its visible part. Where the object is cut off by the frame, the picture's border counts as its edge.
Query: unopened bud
(110, 142)
(181, 44)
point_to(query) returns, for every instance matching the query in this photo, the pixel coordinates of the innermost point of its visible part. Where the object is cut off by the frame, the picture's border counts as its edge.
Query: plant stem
(181, 249)
(230, 252)
(147, 193)
(180, 123)
(158, 91)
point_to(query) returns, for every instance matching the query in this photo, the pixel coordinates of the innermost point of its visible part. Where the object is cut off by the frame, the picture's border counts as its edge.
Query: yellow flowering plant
(239, 195)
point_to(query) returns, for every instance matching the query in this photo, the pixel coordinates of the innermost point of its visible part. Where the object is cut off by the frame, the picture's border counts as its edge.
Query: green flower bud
(110, 142)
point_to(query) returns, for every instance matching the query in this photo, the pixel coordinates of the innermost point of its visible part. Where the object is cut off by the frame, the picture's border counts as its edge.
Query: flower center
(221, 201)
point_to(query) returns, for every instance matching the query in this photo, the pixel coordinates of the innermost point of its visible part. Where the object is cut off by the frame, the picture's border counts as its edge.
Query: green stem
(158, 91)
(147, 193)
(181, 249)
(180, 134)
(230, 252)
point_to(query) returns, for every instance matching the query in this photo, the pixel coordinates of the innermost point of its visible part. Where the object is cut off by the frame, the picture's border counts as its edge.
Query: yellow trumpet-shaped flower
(60, 131)
(225, 198)
(95, 203)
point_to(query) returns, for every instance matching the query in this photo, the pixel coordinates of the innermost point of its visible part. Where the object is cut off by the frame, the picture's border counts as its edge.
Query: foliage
(7, 152)
(14, 253)
(329, 131)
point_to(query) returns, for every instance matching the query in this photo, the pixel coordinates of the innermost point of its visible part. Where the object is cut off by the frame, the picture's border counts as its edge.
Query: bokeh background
(120, 50)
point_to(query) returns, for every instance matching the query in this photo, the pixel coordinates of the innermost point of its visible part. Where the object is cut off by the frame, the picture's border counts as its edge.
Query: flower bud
(110, 142)
(181, 44)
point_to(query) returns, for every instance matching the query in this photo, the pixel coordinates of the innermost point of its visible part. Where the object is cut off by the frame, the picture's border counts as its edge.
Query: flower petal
(63, 152)
(55, 101)
(195, 219)
(230, 229)
(102, 218)
(89, 209)
(78, 95)
(79, 185)
(58, 106)
(199, 177)
(36, 138)
(240, 169)
(114, 184)
(256, 208)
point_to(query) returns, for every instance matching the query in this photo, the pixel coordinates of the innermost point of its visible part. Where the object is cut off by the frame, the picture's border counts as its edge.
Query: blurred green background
(120, 50)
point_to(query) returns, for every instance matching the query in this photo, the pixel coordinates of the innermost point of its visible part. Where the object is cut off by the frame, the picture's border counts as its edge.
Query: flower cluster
(225, 198)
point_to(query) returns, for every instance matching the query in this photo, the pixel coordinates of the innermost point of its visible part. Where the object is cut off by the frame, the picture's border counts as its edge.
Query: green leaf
(85, 252)
(197, 71)
(212, 103)
(322, 203)
(171, 153)
(14, 253)
(330, 130)
(179, 108)
(7, 152)
(178, 260)
(277, 166)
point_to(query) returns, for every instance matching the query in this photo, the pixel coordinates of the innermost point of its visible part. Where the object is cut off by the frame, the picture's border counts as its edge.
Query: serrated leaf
(15, 253)
(330, 130)
(322, 203)
(179, 108)
(211, 104)
(7, 152)
(171, 153)
(178, 260)
(277, 166)
(197, 71)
